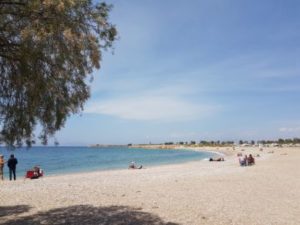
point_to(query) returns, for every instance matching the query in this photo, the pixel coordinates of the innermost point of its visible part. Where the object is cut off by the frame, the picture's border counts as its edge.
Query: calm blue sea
(63, 160)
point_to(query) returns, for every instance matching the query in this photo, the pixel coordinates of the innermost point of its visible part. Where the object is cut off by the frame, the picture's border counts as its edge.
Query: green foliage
(281, 141)
(169, 143)
(48, 49)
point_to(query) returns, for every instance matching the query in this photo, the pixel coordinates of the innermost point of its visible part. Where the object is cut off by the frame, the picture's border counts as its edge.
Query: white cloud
(160, 102)
(289, 129)
(147, 107)
(184, 135)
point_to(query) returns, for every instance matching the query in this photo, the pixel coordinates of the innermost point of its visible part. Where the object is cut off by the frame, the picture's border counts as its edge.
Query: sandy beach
(199, 192)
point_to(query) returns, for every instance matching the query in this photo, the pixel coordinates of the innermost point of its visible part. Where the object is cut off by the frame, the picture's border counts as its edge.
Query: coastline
(198, 192)
(119, 169)
(102, 160)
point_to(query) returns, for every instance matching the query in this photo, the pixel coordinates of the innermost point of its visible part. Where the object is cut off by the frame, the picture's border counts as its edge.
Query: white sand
(198, 192)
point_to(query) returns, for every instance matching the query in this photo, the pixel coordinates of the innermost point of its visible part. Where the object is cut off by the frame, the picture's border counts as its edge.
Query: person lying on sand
(216, 160)
(133, 166)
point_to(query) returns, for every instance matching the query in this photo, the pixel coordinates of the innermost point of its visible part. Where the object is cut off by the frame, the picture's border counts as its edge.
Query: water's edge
(72, 160)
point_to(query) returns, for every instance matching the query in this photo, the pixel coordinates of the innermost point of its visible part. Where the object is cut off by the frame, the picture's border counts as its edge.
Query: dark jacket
(12, 162)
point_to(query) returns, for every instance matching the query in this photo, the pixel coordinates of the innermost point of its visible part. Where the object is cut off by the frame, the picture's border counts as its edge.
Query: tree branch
(11, 3)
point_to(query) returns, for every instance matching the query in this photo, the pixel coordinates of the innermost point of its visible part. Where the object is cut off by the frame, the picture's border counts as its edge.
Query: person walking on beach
(1, 167)
(12, 163)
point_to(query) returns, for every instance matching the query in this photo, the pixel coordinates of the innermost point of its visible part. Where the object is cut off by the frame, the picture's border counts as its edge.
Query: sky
(195, 70)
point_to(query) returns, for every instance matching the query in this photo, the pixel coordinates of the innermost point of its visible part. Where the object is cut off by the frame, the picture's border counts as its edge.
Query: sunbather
(133, 166)
(217, 160)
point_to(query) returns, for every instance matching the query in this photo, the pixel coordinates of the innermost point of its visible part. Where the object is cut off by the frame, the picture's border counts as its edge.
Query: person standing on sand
(1, 167)
(11, 163)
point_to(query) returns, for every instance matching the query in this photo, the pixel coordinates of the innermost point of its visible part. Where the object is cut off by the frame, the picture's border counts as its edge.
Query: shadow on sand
(13, 210)
(86, 214)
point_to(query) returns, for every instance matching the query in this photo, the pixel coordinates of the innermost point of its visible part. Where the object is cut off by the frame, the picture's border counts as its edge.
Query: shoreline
(225, 152)
(117, 168)
(220, 151)
(151, 166)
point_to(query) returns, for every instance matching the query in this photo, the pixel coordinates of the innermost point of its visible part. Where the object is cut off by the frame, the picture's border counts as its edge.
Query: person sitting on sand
(37, 172)
(133, 166)
(241, 161)
(217, 160)
(251, 160)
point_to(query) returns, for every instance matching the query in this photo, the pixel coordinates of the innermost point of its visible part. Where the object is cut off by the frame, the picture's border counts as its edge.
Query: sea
(65, 160)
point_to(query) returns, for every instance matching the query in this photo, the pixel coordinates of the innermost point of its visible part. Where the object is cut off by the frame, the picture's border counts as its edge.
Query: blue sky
(195, 70)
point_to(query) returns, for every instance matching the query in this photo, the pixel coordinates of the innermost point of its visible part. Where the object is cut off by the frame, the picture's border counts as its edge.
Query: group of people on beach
(246, 160)
(38, 172)
(11, 163)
